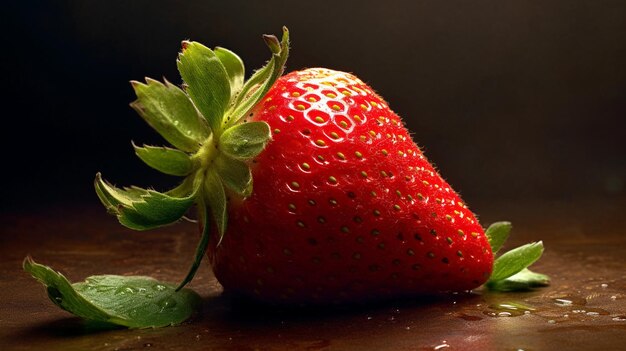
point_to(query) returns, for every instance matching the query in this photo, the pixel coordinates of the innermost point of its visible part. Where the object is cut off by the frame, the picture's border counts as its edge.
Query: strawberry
(344, 207)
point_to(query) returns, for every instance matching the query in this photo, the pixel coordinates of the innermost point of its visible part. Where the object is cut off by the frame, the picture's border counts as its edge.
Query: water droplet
(552, 321)
(563, 302)
(123, 290)
(441, 346)
(605, 285)
(620, 319)
(159, 287)
(167, 303)
(569, 300)
(593, 311)
(509, 309)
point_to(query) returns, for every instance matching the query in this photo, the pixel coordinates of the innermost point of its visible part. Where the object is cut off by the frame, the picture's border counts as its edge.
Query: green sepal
(169, 111)
(283, 54)
(167, 160)
(523, 280)
(497, 233)
(130, 301)
(202, 246)
(215, 197)
(272, 43)
(185, 188)
(250, 95)
(236, 175)
(206, 80)
(514, 261)
(235, 69)
(141, 209)
(262, 80)
(246, 140)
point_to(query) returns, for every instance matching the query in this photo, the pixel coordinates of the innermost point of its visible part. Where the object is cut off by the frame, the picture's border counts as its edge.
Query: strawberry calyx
(211, 142)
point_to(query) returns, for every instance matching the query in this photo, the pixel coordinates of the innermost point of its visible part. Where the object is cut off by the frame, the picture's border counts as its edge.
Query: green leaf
(216, 200)
(170, 112)
(245, 141)
(497, 233)
(207, 82)
(235, 174)
(234, 68)
(524, 280)
(141, 209)
(262, 80)
(514, 261)
(164, 159)
(131, 301)
(201, 248)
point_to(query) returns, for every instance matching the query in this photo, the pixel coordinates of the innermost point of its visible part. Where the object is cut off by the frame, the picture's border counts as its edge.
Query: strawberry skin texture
(345, 206)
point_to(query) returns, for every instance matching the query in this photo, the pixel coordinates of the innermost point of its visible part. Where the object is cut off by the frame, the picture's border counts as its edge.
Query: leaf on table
(524, 280)
(514, 261)
(130, 301)
(497, 233)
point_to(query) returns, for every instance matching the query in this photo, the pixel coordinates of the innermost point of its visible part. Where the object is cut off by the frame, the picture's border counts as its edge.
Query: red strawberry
(344, 207)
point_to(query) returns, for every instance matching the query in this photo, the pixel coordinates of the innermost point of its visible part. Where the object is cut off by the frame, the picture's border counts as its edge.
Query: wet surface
(583, 309)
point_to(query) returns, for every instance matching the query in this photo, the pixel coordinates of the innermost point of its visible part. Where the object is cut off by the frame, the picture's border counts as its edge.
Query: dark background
(512, 100)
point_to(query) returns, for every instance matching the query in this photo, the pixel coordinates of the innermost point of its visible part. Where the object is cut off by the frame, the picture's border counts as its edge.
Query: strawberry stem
(200, 248)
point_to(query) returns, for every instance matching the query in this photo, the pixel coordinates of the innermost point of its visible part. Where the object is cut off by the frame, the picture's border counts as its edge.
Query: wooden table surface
(583, 309)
